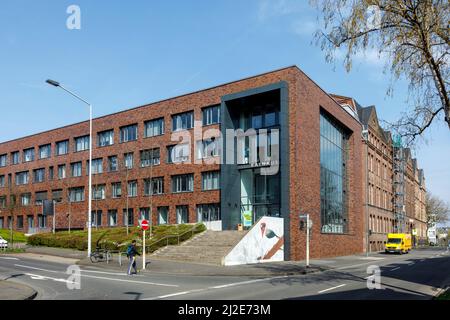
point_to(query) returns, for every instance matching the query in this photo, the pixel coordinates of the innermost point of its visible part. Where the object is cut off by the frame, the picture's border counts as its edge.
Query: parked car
(3, 243)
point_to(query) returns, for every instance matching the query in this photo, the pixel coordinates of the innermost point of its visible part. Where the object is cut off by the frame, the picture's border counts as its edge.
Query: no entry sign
(144, 225)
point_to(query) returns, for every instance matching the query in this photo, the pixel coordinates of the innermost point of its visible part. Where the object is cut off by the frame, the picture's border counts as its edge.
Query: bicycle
(100, 255)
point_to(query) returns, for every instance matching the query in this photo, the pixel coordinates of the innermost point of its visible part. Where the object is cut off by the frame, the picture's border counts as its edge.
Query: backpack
(129, 250)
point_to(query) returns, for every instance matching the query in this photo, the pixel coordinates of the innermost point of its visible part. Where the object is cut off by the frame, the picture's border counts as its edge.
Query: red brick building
(318, 171)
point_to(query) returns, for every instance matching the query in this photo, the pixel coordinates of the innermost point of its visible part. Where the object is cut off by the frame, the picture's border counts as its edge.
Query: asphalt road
(417, 275)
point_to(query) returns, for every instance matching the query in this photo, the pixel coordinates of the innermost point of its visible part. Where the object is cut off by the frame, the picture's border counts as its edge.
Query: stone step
(207, 247)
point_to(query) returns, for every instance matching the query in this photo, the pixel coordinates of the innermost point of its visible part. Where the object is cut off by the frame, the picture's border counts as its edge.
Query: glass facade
(333, 153)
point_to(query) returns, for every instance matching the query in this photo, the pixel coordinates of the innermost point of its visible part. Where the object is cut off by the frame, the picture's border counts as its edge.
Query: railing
(178, 236)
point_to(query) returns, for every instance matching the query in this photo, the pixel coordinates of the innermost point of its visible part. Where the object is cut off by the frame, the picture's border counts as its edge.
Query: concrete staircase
(208, 247)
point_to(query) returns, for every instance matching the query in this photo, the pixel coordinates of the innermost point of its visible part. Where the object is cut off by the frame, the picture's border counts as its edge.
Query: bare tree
(436, 209)
(412, 35)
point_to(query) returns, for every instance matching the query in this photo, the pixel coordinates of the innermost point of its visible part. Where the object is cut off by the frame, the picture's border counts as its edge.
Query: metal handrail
(170, 236)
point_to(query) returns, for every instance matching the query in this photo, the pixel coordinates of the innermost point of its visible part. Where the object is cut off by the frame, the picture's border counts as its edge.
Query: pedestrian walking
(131, 254)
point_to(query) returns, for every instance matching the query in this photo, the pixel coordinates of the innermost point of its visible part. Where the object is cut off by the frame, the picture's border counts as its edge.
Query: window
(28, 155)
(40, 197)
(178, 153)
(42, 221)
(39, 175)
(116, 189)
(207, 148)
(2, 225)
(45, 151)
(98, 192)
(62, 171)
(62, 147)
(332, 176)
(113, 165)
(128, 133)
(2, 181)
(132, 188)
(128, 217)
(57, 195)
(96, 218)
(208, 212)
(15, 157)
(210, 180)
(30, 220)
(154, 186)
(163, 215)
(3, 160)
(22, 178)
(76, 194)
(76, 169)
(144, 214)
(150, 157)
(112, 218)
(25, 199)
(82, 143)
(211, 115)
(154, 127)
(182, 214)
(128, 157)
(183, 121)
(183, 183)
(105, 138)
(51, 173)
(3, 202)
(20, 222)
(97, 166)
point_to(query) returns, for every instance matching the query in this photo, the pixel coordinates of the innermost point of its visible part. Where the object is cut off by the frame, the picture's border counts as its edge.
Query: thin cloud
(276, 8)
(304, 27)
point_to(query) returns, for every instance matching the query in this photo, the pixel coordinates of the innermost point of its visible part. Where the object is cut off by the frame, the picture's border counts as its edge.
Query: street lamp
(365, 136)
(57, 84)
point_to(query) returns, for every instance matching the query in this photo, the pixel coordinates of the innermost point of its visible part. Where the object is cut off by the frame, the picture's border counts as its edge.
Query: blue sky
(132, 53)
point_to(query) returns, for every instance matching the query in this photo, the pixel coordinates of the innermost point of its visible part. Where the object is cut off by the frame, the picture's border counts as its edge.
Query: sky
(131, 53)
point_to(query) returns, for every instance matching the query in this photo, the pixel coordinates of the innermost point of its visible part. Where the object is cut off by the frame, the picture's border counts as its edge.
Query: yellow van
(398, 243)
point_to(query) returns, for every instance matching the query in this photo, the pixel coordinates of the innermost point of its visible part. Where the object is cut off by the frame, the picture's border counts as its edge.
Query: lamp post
(365, 136)
(57, 84)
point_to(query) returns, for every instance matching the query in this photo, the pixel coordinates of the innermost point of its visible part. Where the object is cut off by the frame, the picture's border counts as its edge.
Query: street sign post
(144, 226)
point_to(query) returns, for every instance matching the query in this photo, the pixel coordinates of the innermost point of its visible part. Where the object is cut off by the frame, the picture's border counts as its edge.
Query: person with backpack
(131, 254)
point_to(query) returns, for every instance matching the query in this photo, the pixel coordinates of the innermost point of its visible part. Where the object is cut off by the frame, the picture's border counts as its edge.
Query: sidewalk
(10, 290)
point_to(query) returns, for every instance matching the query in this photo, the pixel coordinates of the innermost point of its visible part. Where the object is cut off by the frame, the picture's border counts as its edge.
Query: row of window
(153, 186)
(155, 127)
(205, 212)
(149, 157)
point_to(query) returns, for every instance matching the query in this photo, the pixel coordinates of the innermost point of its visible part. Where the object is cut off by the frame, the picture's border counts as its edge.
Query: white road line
(39, 277)
(103, 278)
(395, 269)
(246, 282)
(34, 268)
(104, 272)
(9, 258)
(215, 287)
(339, 286)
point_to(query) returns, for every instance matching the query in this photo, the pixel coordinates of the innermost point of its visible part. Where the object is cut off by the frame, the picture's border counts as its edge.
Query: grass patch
(17, 236)
(9, 250)
(115, 238)
(444, 296)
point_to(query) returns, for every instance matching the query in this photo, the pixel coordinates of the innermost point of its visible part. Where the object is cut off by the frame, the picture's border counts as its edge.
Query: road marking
(104, 272)
(395, 269)
(9, 258)
(103, 278)
(245, 282)
(39, 277)
(215, 287)
(339, 286)
(132, 281)
(410, 264)
(34, 268)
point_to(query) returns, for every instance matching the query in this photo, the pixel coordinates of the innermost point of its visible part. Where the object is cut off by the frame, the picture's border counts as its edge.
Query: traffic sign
(144, 224)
